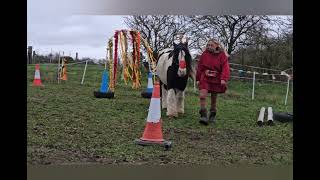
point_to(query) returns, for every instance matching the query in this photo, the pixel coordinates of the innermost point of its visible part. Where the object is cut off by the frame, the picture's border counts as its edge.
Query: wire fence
(83, 74)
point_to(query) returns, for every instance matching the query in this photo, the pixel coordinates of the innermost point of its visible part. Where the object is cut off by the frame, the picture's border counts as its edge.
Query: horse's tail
(160, 89)
(193, 71)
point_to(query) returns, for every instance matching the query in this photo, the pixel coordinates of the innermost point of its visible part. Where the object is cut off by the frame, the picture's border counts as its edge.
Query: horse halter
(182, 64)
(180, 43)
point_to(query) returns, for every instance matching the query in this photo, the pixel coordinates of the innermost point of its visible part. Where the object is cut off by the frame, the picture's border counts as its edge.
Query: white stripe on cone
(154, 114)
(37, 75)
(150, 84)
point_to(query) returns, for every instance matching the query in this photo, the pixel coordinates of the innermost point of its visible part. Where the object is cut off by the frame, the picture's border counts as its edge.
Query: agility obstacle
(152, 134)
(130, 60)
(147, 93)
(37, 79)
(104, 89)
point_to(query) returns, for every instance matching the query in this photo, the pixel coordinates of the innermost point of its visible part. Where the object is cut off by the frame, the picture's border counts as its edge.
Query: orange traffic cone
(37, 79)
(152, 134)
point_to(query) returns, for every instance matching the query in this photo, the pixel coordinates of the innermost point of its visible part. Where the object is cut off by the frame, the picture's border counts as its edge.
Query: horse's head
(182, 59)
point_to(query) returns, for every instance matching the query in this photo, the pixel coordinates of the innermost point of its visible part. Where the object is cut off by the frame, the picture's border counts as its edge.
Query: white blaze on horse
(173, 69)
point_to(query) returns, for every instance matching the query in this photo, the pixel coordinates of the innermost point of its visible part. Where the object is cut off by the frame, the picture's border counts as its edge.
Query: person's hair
(221, 48)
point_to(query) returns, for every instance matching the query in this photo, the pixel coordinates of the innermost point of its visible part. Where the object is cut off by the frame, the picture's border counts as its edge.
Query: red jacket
(217, 62)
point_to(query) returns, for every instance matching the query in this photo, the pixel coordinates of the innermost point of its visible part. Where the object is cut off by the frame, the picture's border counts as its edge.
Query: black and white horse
(173, 69)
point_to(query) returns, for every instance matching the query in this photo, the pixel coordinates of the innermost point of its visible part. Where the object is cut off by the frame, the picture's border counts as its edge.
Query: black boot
(212, 117)
(203, 117)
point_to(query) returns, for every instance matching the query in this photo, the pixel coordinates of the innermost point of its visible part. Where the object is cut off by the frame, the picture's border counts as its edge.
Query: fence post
(58, 73)
(84, 73)
(29, 55)
(288, 86)
(253, 84)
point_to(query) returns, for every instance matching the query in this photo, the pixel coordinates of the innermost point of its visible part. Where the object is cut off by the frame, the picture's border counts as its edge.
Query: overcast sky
(51, 28)
(54, 25)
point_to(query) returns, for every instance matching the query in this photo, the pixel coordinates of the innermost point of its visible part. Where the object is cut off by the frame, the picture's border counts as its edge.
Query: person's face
(211, 46)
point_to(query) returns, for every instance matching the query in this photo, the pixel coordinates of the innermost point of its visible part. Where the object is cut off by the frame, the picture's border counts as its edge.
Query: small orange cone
(152, 134)
(37, 79)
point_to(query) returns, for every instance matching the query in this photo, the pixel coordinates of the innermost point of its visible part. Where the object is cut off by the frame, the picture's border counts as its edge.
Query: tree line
(264, 41)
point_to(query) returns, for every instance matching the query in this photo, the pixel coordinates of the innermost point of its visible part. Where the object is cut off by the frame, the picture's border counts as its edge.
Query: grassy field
(67, 125)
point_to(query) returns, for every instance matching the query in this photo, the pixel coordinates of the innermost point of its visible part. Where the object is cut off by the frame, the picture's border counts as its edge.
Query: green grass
(67, 125)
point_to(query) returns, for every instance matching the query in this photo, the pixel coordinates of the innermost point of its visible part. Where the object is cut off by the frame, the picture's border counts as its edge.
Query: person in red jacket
(212, 75)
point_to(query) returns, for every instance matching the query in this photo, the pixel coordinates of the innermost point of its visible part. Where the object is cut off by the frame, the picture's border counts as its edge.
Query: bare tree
(251, 34)
(230, 30)
(158, 30)
(268, 47)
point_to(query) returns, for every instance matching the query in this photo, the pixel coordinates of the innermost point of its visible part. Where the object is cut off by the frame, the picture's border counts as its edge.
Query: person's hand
(206, 72)
(223, 82)
(198, 82)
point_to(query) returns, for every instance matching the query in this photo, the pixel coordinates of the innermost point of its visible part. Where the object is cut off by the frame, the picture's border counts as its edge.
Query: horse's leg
(171, 106)
(164, 97)
(180, 101)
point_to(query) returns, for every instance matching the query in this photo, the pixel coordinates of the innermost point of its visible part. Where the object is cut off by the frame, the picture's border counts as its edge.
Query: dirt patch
(51, 156)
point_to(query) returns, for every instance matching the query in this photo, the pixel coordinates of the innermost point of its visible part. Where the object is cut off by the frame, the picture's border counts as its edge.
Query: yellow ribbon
(110, 44)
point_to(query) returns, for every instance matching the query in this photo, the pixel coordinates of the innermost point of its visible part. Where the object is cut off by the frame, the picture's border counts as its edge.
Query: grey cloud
(72, 32)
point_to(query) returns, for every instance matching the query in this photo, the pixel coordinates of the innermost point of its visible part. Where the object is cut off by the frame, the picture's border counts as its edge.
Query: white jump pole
(288, 86)
(253, 84)
(84, 72)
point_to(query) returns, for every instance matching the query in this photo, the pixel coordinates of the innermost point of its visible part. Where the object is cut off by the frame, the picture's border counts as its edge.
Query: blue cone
(150, 83)
(105, 83)
(147, 93)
